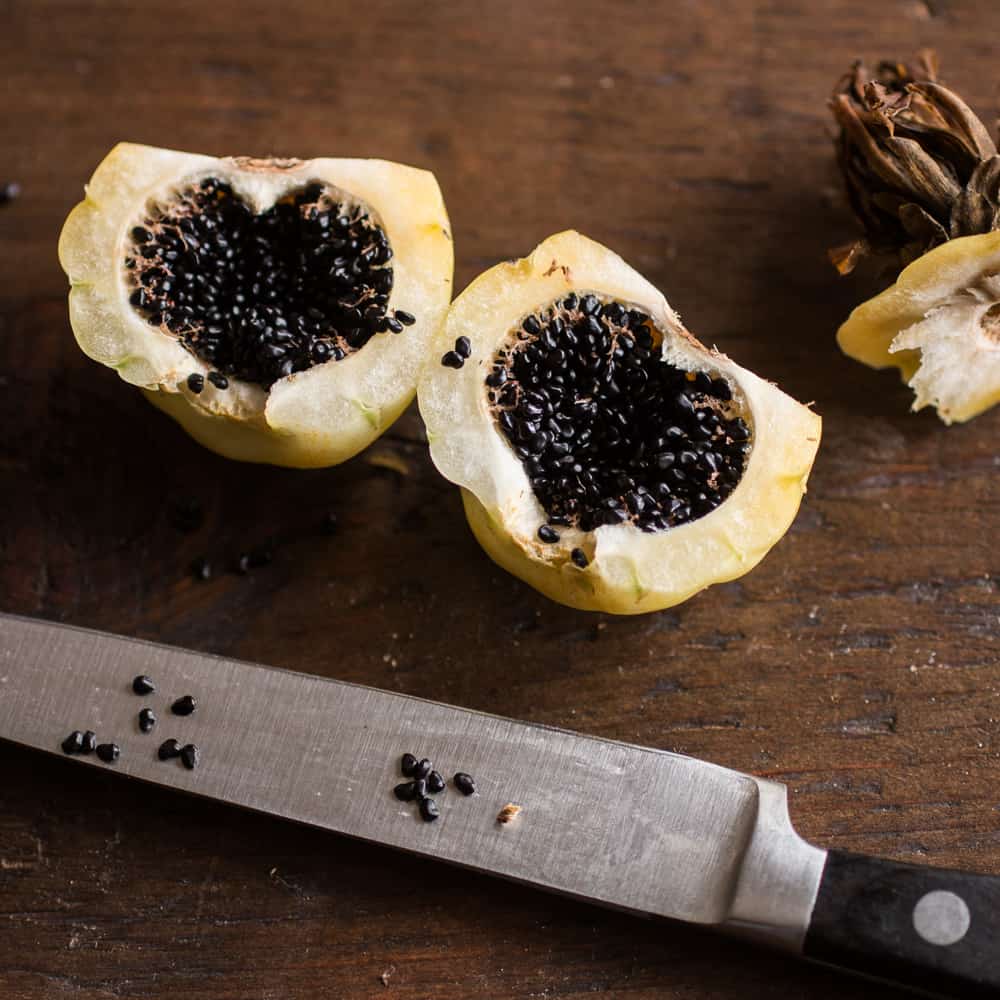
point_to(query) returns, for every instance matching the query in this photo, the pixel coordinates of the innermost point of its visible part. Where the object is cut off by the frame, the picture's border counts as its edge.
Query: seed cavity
(607, 431)
(989, 323)
(262, 296)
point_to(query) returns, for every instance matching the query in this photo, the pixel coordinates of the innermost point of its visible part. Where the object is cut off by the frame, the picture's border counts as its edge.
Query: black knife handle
(931, 929)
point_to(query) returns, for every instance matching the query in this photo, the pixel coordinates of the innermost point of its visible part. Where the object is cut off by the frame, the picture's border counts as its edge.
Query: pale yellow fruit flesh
(930, 325)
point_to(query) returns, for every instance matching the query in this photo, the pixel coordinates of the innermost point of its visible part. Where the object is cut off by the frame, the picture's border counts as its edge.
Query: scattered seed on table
(190, 756)
(201, 569)
(423, 768)
(89, 742)
(184, 705)
(169, 749)
(429, 810)
(73, 743)
(508, 813)
(109, 752)
(465, 783)
(408, 764)
(435, 783)
(147, 719)
(143, 685)
(463, 347)
(452, 359)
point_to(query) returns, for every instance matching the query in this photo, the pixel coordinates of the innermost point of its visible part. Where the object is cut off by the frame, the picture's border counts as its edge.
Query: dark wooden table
(858, 663)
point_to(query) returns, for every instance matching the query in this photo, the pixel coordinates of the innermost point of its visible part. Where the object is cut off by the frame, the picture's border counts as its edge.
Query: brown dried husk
(919, 166)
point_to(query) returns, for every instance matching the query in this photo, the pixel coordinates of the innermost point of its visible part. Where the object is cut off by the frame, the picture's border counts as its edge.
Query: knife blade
(634, 828)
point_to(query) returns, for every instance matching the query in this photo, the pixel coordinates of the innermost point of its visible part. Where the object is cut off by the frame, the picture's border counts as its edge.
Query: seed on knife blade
(147, 719)
(73, 743)
(429, 810)
(464, 783)
(184, 705)
(143, 685)
(406, 792)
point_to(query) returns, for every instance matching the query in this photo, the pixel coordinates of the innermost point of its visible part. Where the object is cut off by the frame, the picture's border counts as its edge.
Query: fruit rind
(629, 571)
(313, 418)
(886, 330)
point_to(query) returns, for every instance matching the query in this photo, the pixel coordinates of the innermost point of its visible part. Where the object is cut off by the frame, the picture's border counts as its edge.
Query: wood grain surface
(858, 663)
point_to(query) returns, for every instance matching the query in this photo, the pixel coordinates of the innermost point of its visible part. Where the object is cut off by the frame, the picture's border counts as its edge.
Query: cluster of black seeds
(607, 431)
(86, 743)
(259, 297)
(189, 754)
(425, 782)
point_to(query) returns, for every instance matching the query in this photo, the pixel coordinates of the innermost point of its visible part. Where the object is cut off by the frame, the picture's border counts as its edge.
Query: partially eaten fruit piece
(605, 456)
(923, 176)
(279, 310)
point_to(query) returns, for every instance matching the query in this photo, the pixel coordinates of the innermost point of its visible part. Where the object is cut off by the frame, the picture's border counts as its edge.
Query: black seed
(429, 810)
(196, 382)
(184, 705)
(452, 359)
(147, 719)
(406, 792)
(201, 569)
(169, 749)
(435, 783)
(579, 558)
(140, 235)
(463, 347)
(108, 752)
(423, 768)
(464, 783)
(143, 685)
(73, 743)
(329, 524)
(405, 318)
(9, 191)
(190, 756)
(218, 380)
(242, 564)
(548, 534)
(408, 764)
(89, 744)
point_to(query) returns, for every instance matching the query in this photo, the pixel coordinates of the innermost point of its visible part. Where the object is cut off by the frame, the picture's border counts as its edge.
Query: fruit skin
(630, 571)
(311, 419)
(882, 332)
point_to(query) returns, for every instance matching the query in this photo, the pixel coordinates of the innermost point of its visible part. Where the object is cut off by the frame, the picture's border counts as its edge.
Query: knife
(633, 828)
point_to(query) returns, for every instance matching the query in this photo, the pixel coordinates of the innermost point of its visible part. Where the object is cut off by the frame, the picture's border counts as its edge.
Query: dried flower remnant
(923, 177)
(919, 166)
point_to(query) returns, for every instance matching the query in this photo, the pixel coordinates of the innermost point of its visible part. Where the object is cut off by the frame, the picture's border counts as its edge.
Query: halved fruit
(605, 456)
(279, 310)
(939, 324)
